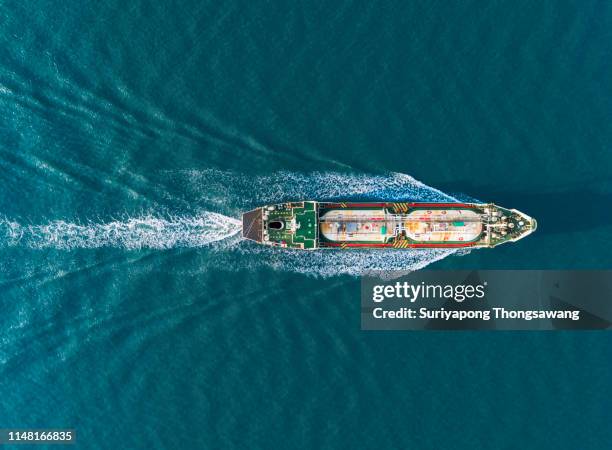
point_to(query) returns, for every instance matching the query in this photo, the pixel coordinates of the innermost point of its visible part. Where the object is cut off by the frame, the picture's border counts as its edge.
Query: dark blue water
(133, 134)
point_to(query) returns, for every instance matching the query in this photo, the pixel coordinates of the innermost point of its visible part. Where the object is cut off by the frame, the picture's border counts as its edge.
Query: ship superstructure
(311, 225)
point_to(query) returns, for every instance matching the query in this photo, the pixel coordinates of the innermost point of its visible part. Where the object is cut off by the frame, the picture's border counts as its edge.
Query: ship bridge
(291, 225)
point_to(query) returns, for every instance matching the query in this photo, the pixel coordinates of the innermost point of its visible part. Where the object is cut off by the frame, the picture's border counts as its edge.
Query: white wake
(237, 192)
(233, 193)
(132, 233)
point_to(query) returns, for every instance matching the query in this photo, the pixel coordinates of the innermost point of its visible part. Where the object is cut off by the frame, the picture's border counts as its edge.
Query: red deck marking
(333, 244)
(367, 205)
(441, 205)
(442, 245)
(392, 204)
(369, 245)
(468, 244)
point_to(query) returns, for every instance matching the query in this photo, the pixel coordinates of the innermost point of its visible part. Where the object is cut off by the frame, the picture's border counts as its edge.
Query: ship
(311, 225)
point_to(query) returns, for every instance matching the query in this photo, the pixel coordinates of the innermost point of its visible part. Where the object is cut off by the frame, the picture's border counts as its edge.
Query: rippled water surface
(133, 135)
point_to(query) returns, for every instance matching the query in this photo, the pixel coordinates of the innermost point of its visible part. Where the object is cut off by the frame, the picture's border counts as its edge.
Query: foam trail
(331, 262)
(233, 193)
(236, 192)
(133, 233)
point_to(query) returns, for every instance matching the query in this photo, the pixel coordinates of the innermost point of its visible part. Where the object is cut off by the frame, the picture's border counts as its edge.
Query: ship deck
(398, 225)
(311, 225)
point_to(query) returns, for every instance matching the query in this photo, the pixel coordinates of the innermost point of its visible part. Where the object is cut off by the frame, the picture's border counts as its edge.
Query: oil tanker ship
(310, 225)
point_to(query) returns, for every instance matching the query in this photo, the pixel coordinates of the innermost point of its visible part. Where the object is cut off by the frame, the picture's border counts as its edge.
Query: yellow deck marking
(401, 244)
(400, 207)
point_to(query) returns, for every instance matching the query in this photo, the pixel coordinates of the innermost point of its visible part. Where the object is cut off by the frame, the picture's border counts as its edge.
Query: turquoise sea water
(132, 135)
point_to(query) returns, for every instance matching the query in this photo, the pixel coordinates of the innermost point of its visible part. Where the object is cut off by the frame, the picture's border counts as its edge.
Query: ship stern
(252, 225)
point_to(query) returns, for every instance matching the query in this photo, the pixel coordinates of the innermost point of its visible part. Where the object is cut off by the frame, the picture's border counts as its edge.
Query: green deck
(306, 219)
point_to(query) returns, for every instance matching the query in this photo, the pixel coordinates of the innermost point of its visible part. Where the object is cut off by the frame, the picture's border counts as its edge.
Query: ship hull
(313, 225)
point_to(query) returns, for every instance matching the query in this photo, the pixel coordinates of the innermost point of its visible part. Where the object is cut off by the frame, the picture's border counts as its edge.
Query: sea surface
(133, 135)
